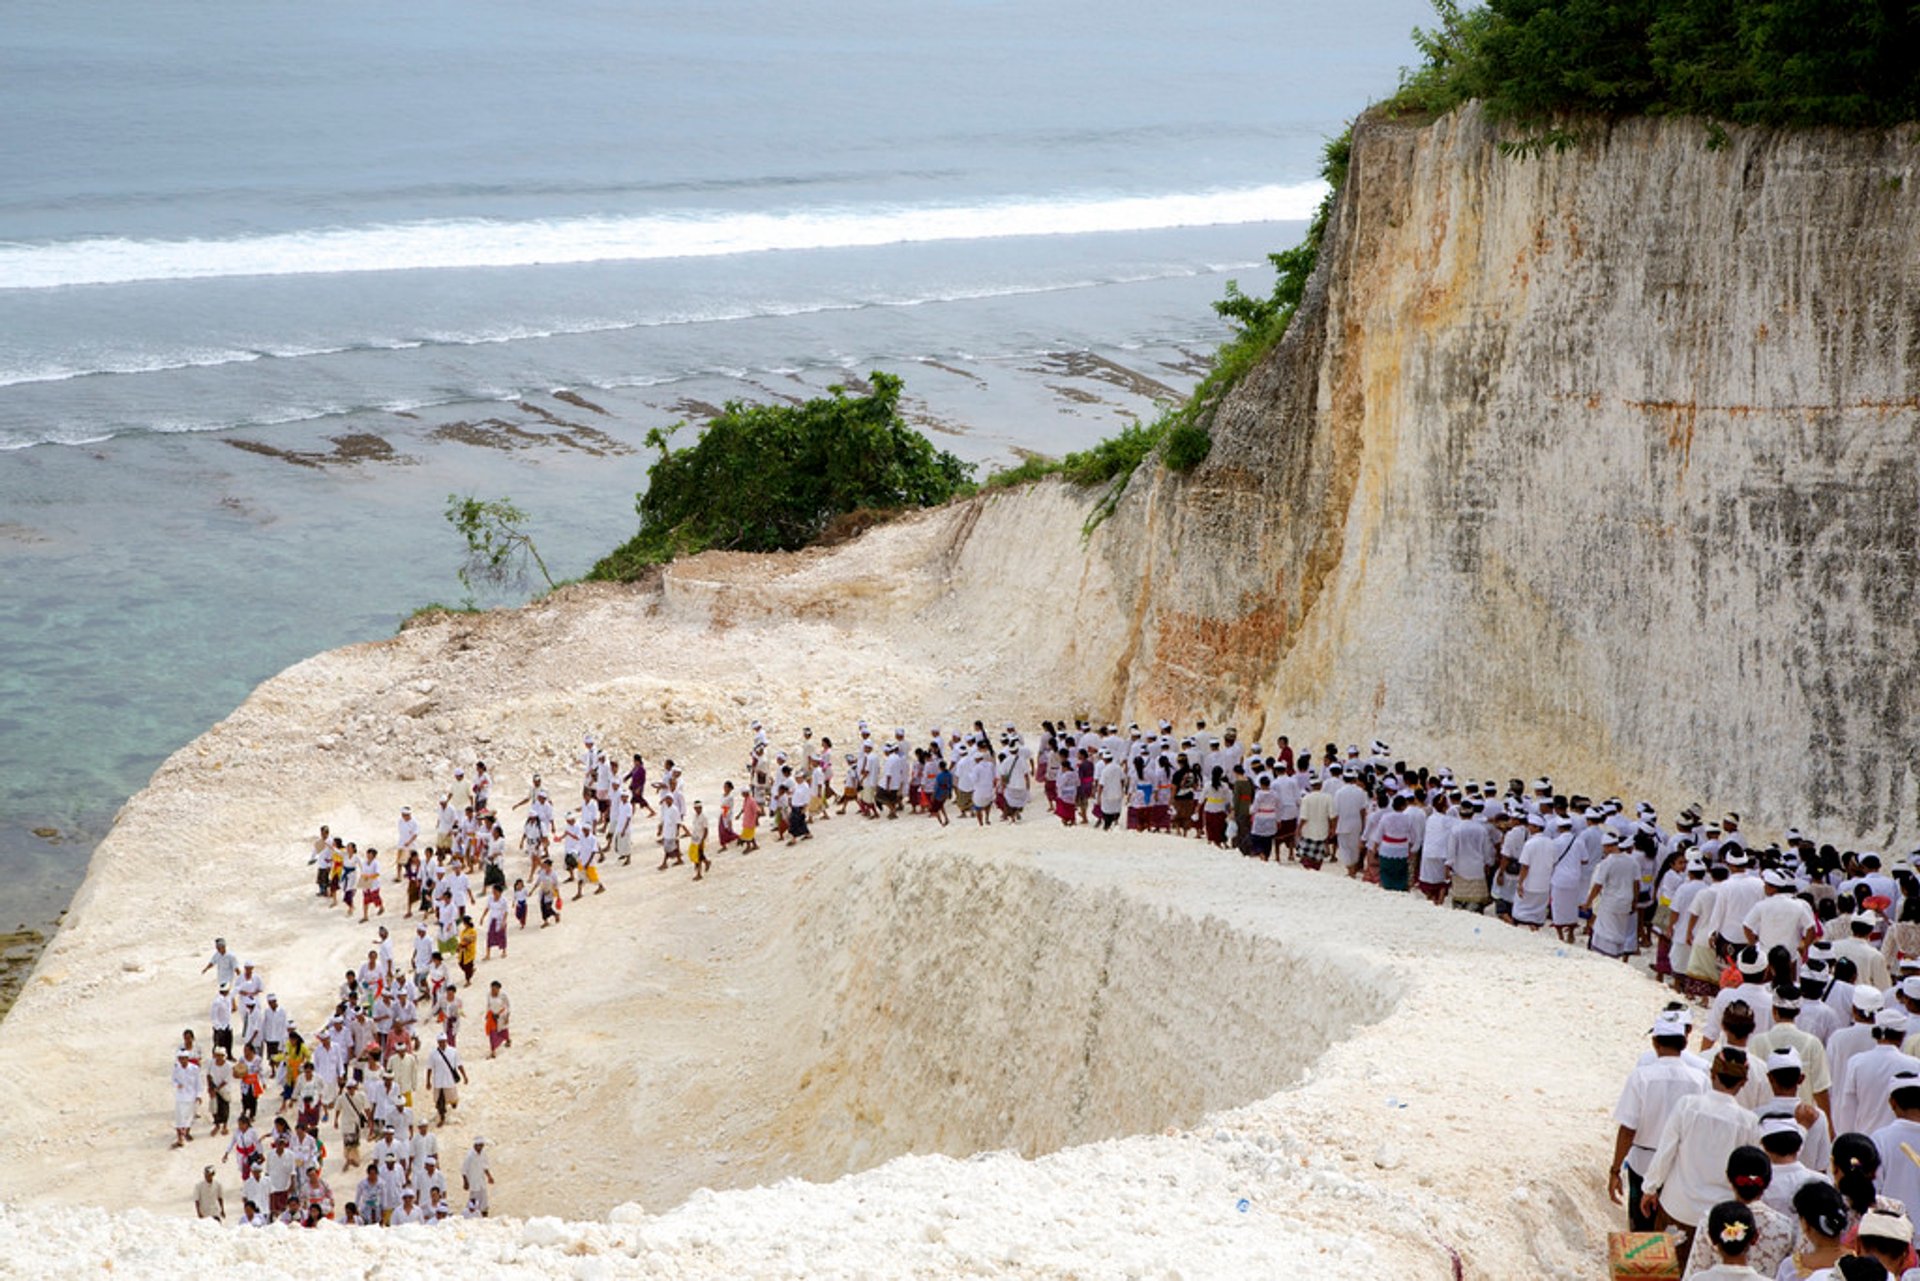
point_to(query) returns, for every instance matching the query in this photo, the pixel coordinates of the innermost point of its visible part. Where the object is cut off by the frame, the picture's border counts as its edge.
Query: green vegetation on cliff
(765, 478)
(1774, 62)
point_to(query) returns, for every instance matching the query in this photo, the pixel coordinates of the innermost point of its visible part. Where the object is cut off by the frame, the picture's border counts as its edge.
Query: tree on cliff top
(771, 477)
(1779, 62)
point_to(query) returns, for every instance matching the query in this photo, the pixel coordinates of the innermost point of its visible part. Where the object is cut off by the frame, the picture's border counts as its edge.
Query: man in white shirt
(1810, 1055)
(1436, 849)
(223, 963)
(476, 1177)
(1230, 753)
(427, 1179)
(671, 830)
(619, 823)
(1738, 894)
(209, 1202)
(1614, 926)
(1316, 826)
(1350, 818)
(1577, 851)
(1784, 1077)
(445, 1076)
(1470, 856)
(1536, 875)
(1688, 1174)
(393, 1190)
(1898, 1141)
(1781, 918)
(186, 1095)
(1860, 1096)
(1858, 948)
(1648, 1097)
(1286, 790)
(273, 1026)
(220, 1014)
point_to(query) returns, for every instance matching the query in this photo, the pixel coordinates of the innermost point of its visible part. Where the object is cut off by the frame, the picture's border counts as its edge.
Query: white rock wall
(1600, 462)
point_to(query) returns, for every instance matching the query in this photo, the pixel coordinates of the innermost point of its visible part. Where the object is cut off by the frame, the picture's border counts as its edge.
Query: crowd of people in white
(1789, 1142)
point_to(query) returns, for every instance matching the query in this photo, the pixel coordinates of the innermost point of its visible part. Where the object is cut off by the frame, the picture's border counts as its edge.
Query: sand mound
(1107, 1054)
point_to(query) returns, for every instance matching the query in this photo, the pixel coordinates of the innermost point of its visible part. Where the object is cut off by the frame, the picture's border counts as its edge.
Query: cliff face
(1603, 460)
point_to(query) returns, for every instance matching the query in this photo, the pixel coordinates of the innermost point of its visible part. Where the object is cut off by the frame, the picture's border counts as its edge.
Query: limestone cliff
(1603, 459)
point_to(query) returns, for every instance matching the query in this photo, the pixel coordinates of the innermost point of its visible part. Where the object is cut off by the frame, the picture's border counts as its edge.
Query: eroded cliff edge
(1603, 460)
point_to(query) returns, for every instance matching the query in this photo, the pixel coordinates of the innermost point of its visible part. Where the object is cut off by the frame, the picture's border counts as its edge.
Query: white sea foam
(133, 363)
(417, 246)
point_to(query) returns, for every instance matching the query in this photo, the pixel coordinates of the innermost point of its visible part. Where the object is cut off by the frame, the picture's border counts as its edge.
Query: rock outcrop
(1603, 459)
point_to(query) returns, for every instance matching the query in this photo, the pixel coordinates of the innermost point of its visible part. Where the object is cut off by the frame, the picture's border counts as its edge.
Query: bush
(767, 478)
(1185, 447)
(1029, 469)
(1113, 458)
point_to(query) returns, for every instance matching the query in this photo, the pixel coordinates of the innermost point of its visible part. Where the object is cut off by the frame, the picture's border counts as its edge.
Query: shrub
(1031, 468)
(1185, 447)
(771, 477)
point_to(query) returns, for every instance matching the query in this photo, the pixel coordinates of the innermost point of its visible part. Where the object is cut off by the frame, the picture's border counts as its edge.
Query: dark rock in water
(578, 401)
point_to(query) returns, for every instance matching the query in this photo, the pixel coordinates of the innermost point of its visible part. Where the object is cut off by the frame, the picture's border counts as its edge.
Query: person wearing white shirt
(1436, 849)
(428, 1180)
(1858, 948)
(220, 1014)
(1860, 1096)
(406, 832)
(1784, 1078)
(186, 1095)
(476, 1177)
(1808, 1053)
(1577, 853)
(799, 827)
(1780, 918)
(391, 1181)
(1816, 1016)
(1230, 753)
(1349, 816)
(1287, 791)
(223, 963)
(1613, 926)
(1646, 1100)
(1688, 1174)
(273, 1026)
(445, 1076)
(1470, 856)
(1738, 894)
(1898, 1142)
(423, 948)
(1534, 892)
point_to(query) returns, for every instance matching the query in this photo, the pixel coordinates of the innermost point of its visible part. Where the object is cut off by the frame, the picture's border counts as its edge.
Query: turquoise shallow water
(282, 227)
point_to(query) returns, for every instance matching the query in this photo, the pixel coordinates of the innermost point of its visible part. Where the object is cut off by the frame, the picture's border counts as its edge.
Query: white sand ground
(1112, 1041)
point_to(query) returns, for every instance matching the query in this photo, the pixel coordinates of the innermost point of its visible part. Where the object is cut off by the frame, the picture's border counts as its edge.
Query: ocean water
(274, 281)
